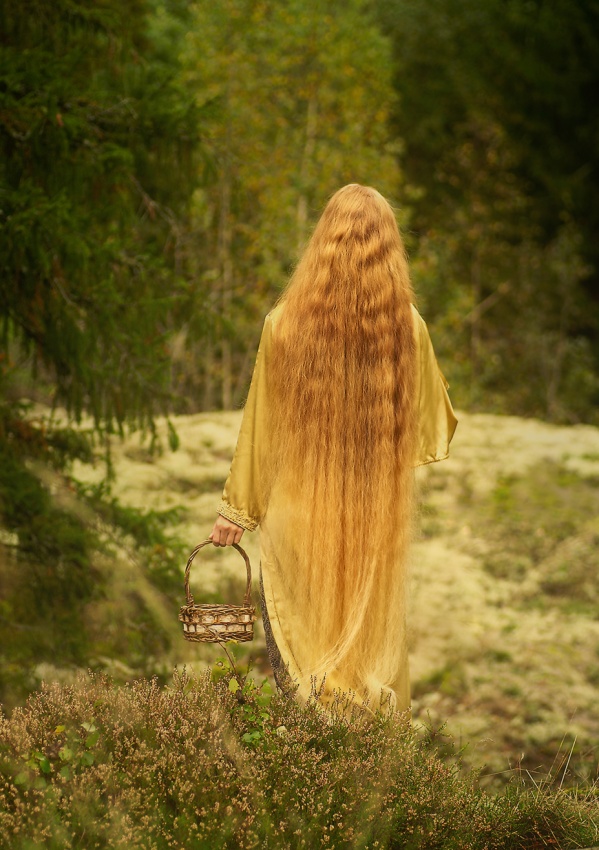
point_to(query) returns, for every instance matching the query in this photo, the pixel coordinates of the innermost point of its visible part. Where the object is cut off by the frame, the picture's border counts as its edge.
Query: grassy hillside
(216, 762)
(504, 629)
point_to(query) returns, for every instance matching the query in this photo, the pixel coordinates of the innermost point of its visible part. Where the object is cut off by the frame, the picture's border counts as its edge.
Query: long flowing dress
(244, 502)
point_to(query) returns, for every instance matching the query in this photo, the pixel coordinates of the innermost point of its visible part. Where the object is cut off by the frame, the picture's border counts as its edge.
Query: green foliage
(75, 754)
(253, 700)
(48, 576)
(56, 541)
(94, 126)
(501, 166)
(162, 552)
(152, 767)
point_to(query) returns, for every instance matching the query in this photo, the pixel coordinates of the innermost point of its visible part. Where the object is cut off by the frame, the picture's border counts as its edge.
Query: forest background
(162, 164)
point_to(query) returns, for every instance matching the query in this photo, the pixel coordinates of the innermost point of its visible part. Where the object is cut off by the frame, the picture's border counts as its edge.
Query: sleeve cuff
(237, 516)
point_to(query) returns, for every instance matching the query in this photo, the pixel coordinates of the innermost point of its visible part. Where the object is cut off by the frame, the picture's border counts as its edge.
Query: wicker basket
(219, 622)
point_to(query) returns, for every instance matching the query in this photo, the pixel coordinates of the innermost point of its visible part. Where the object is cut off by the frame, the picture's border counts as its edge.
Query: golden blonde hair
(343, 407)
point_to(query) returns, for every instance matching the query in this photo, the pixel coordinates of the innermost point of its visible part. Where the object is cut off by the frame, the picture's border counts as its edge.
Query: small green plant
(70, 752)
(252, 700)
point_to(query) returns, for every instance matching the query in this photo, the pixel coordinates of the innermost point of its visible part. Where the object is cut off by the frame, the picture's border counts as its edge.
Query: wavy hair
(343, 433)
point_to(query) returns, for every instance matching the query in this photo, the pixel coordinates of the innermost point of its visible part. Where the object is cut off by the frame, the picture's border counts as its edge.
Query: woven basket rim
(218, 606)
(215, 605)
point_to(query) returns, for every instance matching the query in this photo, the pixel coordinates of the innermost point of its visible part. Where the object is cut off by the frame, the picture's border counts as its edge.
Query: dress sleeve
(437, 421)
(242, 500)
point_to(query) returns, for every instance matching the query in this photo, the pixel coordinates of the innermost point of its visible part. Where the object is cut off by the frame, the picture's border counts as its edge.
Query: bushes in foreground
(223, 764)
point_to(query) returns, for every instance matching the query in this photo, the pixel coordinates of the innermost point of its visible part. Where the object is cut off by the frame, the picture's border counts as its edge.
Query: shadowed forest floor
(504, 627)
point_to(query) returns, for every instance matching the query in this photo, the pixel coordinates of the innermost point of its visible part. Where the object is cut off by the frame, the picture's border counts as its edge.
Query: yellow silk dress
(244, 503)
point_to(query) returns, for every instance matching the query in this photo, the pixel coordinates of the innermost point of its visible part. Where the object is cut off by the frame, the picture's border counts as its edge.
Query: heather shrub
(217, 761)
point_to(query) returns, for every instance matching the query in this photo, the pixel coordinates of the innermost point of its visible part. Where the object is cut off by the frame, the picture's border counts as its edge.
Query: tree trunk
(307, 155)
(208, 400)
(558, 353)
(226, 270)
(475, 327)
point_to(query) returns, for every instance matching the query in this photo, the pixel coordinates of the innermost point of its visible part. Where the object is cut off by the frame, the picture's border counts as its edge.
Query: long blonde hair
(343, 427)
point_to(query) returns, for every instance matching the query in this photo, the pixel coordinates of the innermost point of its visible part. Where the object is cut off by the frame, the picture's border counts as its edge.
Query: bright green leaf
(173, 437)
(92, 739)
(45, 765)
(65, 754)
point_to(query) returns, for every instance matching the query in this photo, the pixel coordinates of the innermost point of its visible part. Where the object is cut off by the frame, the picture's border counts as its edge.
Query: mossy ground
(504, 631)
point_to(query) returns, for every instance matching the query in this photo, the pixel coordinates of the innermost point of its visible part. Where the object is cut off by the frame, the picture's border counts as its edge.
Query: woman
(346, 398)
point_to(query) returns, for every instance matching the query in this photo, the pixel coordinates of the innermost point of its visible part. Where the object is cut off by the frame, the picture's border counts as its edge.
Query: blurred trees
(300, 95)
(99, 140)
(164, 161)
(502, 165)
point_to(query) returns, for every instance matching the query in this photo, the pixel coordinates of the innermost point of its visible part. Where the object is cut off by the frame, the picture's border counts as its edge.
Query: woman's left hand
(225, 532)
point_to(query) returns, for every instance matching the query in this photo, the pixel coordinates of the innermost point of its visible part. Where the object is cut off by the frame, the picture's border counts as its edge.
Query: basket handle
(247, 599)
